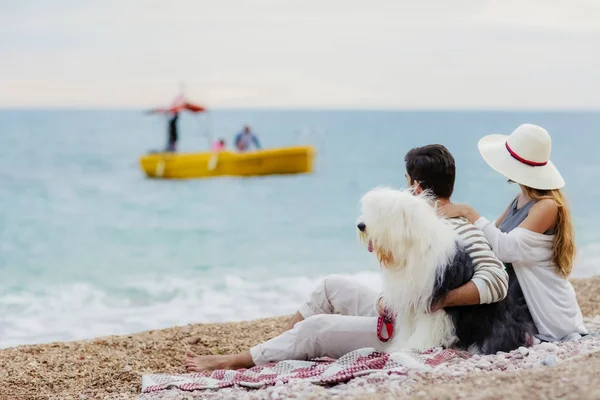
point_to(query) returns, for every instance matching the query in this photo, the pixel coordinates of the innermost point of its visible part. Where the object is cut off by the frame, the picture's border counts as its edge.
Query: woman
(534, 235)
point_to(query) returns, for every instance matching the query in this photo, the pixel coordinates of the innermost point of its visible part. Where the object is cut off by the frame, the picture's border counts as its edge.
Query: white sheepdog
(413, 245)
(422, 259)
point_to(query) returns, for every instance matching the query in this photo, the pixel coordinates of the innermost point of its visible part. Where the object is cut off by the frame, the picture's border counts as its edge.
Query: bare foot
(196, 363)
(295, 319)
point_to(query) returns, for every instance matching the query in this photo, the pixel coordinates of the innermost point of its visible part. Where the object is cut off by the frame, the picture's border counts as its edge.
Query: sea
(89, 246)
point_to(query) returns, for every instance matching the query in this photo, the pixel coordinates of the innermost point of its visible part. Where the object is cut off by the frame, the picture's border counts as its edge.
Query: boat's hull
(285, 160)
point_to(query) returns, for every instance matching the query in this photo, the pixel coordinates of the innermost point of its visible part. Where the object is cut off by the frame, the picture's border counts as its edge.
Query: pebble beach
(112, 367)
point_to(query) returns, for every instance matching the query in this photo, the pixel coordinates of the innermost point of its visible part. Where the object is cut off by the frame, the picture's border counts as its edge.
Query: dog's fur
(422, 260)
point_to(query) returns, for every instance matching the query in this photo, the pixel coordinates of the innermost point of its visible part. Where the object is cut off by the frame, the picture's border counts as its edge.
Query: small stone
(517, 356)
(549, 360)
(195, 340)
(548, 346)
(523, 350)
(126, 368)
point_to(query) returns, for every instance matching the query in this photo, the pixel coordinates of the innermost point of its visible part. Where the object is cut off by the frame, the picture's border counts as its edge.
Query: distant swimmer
(245, 138)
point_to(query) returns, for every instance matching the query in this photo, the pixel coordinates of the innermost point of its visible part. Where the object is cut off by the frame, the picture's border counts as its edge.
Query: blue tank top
(515, 216)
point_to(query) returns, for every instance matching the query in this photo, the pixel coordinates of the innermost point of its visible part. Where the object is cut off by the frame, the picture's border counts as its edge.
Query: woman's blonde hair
(564, 240)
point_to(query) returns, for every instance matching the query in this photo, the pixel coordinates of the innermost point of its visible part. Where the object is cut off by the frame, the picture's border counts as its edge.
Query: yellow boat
(284, 160)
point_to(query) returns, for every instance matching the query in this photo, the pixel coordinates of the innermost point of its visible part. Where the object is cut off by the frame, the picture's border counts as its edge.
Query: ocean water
(89, 246)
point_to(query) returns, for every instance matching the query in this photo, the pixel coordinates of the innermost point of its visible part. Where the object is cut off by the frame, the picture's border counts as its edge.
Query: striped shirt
(490, 275)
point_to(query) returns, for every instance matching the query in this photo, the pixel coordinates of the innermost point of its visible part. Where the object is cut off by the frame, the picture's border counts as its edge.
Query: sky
(393, 54)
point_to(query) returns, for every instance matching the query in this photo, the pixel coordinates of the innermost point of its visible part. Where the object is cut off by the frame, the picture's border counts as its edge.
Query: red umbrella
(179, 104)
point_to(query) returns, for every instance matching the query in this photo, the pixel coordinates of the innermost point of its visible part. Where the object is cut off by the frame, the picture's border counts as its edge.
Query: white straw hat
(523, 157)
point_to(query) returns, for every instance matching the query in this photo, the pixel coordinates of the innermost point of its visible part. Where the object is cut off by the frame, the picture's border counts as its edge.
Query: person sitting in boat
(172, 140)
(218, 145)
(245, 138)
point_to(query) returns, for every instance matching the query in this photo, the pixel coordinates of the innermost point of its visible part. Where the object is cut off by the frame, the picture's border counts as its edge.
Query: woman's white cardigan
(550, 297)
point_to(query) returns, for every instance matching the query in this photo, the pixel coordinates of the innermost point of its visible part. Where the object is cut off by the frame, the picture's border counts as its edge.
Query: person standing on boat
(245, 138)
(172, 140)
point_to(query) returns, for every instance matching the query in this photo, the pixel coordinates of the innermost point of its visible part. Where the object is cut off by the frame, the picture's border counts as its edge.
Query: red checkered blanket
(323, 371)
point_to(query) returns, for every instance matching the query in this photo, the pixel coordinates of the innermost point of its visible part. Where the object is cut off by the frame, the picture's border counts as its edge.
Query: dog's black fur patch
(501, 326)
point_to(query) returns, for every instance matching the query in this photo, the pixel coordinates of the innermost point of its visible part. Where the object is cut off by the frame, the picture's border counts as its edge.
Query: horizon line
(315, 109)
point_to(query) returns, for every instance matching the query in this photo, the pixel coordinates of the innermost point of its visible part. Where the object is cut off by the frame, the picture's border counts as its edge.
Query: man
(341, 314)
(244, 139)
(172, 139)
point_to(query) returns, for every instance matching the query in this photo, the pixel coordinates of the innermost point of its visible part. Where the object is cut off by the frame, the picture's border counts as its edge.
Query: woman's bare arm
(542, 216)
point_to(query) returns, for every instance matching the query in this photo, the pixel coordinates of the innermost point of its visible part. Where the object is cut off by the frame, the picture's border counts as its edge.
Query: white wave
(587, 263)
(81, 310)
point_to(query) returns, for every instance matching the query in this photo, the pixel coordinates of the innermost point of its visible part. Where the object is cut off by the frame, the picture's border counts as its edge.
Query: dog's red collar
(388, 321)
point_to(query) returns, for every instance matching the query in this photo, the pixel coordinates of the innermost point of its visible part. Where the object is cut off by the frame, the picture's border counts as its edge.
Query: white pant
(340, 316)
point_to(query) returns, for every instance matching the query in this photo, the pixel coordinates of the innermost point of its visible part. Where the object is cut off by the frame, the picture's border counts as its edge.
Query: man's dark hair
(433, 167)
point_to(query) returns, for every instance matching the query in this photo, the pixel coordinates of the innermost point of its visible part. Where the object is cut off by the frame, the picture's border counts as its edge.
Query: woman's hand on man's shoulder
(452, 210)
